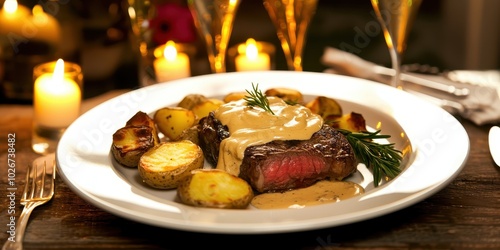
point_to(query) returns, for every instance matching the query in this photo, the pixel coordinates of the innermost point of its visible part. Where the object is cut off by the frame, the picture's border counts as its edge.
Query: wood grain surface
(463, 215)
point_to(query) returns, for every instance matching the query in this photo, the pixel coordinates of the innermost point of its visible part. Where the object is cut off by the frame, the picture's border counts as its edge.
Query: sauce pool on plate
(320, 193)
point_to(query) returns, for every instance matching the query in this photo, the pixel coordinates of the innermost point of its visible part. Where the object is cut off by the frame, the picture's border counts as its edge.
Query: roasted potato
(291, 96)
(130, 143)
(215, 189)
(191, 100)
(142, 119)
(191, 134)
(172, 121)
(327, 108)
(203, 109)
(353, 122)
(234, 96)
(164, 165)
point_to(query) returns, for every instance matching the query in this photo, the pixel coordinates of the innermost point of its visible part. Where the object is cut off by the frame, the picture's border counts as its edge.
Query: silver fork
(38, 189)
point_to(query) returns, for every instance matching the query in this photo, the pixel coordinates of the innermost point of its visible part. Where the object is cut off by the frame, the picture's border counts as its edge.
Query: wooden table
(464, 215)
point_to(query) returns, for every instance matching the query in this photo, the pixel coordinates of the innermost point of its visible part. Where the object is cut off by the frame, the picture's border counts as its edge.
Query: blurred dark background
(448, 34)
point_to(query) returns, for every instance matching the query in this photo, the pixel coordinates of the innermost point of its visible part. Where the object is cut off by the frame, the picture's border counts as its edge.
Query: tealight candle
(13, 17)
(172, 65)
(56, 98)
(56, 102)
(252, 59)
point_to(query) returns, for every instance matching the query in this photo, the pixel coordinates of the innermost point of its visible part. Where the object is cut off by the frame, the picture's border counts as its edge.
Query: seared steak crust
(210, 134)
(282, 165)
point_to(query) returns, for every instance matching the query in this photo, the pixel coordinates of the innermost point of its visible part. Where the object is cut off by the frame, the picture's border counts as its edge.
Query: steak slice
(282, 165)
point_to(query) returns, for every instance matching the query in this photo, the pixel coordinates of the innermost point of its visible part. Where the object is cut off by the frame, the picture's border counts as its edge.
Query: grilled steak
(282, 165)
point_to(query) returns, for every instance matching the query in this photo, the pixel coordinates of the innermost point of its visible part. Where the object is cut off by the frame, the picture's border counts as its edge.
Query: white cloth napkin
(474, 95)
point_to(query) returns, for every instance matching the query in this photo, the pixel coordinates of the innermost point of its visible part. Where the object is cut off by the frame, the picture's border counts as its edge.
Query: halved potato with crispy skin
(353, 122)
(168, 162)
(234, 96)
(291, 96)
(142, 119)
(203, 109)
(191, 100)
(328, 108)
(130, 142)
(215, 189)
(191, 134)
(172, 121)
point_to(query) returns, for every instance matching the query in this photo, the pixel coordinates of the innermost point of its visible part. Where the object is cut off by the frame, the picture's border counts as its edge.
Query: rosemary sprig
(384, 159)
(256, 98)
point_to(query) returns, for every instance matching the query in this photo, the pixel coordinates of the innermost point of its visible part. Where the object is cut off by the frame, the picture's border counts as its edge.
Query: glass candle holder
(251, 56)
(57, 95)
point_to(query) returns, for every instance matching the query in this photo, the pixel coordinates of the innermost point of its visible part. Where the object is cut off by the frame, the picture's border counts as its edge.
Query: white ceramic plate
(436, 147)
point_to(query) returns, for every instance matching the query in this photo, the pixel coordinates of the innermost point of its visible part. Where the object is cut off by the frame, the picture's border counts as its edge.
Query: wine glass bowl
(291, 19)
(214, 21)
(396, 18)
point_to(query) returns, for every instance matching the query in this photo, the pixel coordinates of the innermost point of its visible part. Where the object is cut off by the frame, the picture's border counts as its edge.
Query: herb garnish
(256, 98)
(384, 159)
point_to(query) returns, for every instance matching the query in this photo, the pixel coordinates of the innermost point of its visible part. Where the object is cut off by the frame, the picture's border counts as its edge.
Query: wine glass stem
(293, 62)
(396, 65)
(219, 63)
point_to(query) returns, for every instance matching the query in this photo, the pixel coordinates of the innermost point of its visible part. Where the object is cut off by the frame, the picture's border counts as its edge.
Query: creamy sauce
(320, 193)
(250, 126)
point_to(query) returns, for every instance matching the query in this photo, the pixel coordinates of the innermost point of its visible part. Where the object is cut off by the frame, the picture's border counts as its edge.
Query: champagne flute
(214, 22)
(140, 12)
(396, 18)
(291, 19)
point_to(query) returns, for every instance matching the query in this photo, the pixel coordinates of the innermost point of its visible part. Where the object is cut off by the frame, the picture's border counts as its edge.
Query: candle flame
(10, 6)
(131, 13)
(251, 49)
(58, 76)
(170, 52)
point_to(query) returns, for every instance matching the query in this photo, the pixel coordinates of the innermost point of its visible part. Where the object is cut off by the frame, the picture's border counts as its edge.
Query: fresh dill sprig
(384, 159)
(256, 98)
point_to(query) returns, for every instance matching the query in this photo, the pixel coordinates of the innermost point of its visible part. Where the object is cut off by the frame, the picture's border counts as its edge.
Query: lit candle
(172, 65)
(48, 29)
(56, 98)
(13, 18)
(252, 59)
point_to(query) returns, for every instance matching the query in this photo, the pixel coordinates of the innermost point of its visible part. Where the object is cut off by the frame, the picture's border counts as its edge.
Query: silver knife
(353, 65)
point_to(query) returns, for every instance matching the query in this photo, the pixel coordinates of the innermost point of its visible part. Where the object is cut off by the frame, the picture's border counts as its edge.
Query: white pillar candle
(252, 59)
(56, 98)
(172, 65)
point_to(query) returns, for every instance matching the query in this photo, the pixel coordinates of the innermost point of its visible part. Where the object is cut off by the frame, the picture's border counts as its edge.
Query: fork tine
(26, 185)
(53, 182)
(42, 187)
(33, 180)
